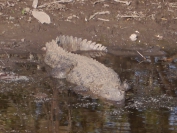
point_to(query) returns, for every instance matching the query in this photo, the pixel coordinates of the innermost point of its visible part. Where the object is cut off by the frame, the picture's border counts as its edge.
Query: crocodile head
(113, 92)
(116, 95)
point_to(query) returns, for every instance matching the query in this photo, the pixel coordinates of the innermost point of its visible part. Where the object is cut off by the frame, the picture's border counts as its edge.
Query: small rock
(137, 32)
(29, 20)
(17, 25)
(43, 49)
(159, 37)
(31, 57)
(105, 5)
(133, 37)
(27, 9)
(11, 18)
(2, 42)
(10, 4)
(38, 67)
(23, 40)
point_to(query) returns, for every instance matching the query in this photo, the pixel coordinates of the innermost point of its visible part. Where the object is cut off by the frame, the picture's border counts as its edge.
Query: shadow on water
(41, 104)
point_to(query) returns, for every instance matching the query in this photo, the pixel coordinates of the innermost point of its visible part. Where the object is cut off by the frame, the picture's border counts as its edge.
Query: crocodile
(88, 74)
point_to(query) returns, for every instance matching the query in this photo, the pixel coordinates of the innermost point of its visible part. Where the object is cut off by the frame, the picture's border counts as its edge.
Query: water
(42, 104)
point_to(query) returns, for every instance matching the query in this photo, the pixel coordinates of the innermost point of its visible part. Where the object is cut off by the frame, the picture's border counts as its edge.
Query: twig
(99, 13)
(2, 62)
(129, 16)
(7, 55)
(124, 2)
(1, 5)
(60, 1)
(102, 19)
(141, 55)
(98, 1)
(174, 4)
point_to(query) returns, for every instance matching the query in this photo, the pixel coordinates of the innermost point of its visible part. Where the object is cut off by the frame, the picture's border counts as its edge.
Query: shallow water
(42, 104)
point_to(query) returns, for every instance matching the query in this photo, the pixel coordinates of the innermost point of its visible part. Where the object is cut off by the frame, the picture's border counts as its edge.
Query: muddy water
(41, 104)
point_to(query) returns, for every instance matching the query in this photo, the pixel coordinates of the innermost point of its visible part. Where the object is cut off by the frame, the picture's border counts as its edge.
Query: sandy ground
(154, 23)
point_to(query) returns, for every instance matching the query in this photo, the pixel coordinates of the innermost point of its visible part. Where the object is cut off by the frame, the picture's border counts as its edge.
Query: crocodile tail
(91, 54)
(71, 43)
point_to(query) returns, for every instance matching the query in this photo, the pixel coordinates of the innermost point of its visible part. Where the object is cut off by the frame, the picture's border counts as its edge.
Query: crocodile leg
(84, 91)
(62, 70)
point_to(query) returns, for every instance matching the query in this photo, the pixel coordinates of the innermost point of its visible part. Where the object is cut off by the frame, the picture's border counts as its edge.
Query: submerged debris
(154, 102)
(10, 76)
(41, 97)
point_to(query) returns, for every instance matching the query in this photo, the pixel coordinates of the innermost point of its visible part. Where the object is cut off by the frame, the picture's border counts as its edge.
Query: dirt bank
(106, 21)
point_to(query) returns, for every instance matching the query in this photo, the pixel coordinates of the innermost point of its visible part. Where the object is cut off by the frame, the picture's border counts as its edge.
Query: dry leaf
(41, 16)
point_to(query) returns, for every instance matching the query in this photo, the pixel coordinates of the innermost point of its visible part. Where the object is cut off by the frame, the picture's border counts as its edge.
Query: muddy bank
(154, 23)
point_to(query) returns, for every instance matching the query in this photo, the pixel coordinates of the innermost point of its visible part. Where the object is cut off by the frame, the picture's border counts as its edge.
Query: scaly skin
(85, 72)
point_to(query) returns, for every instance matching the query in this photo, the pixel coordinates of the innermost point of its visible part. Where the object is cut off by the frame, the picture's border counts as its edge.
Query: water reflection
(46, 105)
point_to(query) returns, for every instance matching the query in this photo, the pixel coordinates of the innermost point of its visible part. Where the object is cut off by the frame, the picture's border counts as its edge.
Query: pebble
(27, 9)
(23, 40)
(11, 18)
(133, 37)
